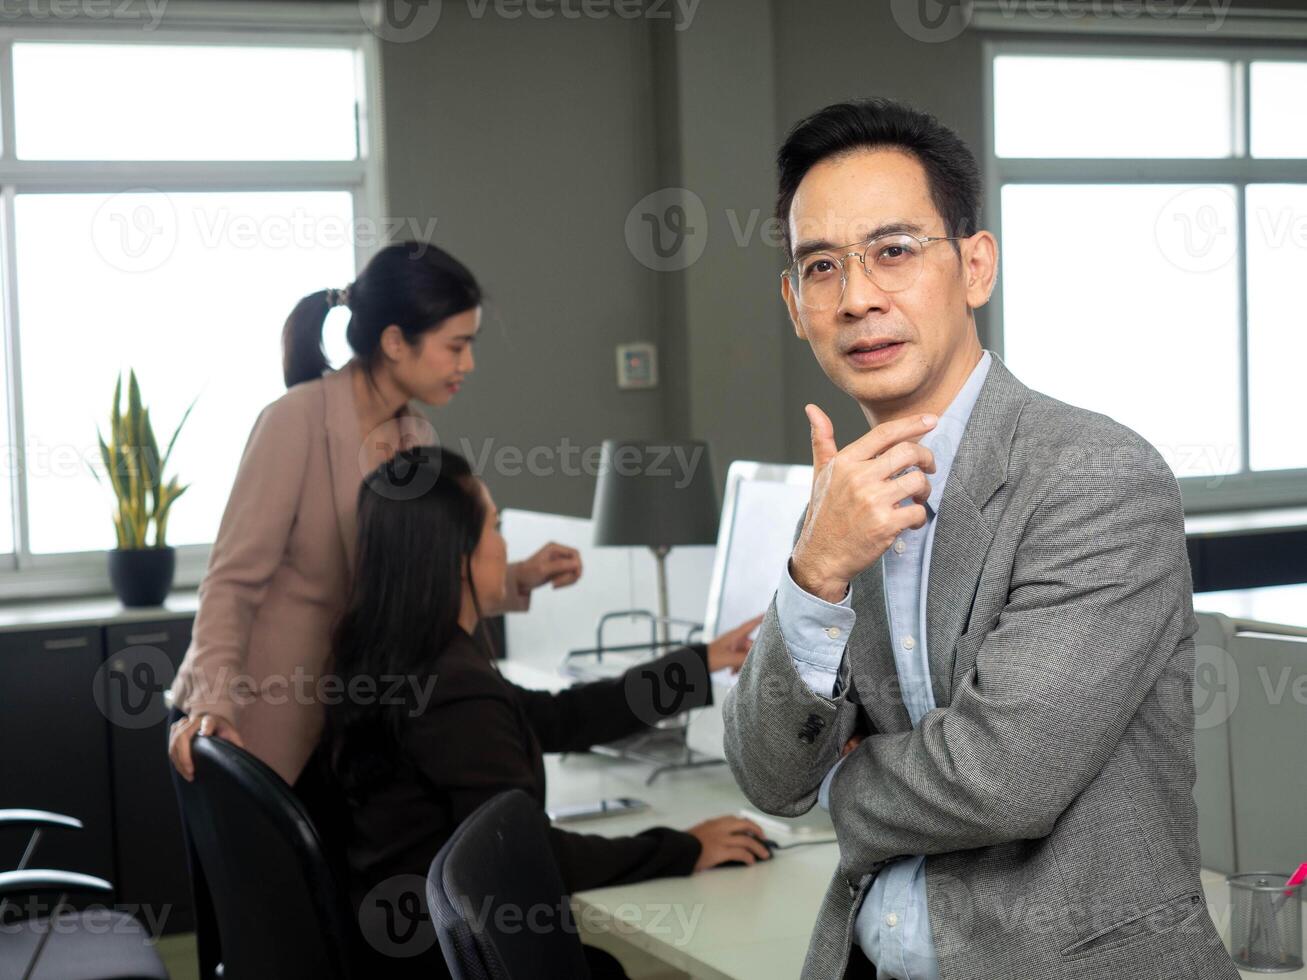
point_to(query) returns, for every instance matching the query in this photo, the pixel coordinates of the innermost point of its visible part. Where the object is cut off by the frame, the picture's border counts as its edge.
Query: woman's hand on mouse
(729, 839)
(730, 649)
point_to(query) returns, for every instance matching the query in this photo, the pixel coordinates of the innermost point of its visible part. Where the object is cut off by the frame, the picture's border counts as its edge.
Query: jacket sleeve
(492, 756)
(595, 712)
(250, 544)
(780, 736)
(1100, 600)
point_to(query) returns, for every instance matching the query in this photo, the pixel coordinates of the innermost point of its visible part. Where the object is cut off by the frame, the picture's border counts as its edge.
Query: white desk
(746, 923)
(1281, 604)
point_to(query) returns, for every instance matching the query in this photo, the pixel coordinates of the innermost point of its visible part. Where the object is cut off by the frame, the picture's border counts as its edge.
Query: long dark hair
(420, 517)
(414, 285)
(951, 170)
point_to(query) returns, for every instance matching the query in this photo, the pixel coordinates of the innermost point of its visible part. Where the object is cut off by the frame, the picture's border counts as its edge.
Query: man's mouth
(872, 344)
(873, 351)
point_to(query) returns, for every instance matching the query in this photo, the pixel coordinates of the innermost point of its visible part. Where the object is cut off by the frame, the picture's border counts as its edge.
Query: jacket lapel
(348, 457)
(343, 444)
(963, 532)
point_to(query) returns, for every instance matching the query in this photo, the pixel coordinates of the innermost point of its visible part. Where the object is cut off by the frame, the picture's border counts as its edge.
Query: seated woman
(414, 759)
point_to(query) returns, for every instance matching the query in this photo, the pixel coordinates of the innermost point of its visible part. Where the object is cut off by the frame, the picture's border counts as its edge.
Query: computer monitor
(761, 507)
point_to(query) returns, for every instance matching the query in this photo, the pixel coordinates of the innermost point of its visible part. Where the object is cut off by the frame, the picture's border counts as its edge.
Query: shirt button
(892, 920)
(908, 643)
(899, 546)
(832, 631)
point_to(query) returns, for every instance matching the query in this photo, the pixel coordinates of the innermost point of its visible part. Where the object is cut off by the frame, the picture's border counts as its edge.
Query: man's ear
(791, 304)
(980, 267)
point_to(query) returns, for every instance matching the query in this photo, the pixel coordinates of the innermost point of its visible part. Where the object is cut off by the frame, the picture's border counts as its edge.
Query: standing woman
(279, 571)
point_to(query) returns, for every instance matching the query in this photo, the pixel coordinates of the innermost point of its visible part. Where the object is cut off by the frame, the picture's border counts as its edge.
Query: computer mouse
(766, 842)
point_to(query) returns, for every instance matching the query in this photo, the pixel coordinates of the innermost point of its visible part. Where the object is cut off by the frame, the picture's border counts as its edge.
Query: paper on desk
(813, 827)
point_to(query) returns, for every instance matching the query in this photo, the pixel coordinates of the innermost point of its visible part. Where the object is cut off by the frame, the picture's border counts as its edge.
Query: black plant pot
(142, 576)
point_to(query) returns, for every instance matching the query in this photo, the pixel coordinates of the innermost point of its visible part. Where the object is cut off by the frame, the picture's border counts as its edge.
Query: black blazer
(480, 734)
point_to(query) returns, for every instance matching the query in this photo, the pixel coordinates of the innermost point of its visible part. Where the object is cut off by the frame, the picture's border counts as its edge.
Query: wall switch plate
(637, 365)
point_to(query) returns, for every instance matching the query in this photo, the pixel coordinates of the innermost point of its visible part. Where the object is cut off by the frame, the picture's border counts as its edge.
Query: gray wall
(530, 140)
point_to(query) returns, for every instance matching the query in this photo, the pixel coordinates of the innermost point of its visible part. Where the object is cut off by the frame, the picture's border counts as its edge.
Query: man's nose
(861, 295)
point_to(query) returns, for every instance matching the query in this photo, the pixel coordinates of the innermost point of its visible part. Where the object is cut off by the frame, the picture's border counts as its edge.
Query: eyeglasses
(818, 280)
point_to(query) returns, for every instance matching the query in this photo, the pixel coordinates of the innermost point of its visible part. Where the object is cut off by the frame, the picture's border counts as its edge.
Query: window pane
(189, 289)
(195, 102)
(1277, 325)
(1111, 107)
(1279, 112)
(1123, 300)
(10, 465)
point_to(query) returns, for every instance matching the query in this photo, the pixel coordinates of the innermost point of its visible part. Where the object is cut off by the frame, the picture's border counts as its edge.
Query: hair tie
(337, 297)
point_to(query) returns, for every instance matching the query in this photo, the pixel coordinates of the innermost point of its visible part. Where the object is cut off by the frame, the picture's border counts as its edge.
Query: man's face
(846, 199)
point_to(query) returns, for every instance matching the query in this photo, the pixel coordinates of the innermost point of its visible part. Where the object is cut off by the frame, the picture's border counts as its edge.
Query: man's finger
(823, 438)
(871, 444)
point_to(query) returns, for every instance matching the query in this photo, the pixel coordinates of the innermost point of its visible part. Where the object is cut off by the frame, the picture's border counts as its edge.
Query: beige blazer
(279, 569)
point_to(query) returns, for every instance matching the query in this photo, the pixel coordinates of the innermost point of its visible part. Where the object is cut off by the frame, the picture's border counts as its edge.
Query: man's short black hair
(951, 172)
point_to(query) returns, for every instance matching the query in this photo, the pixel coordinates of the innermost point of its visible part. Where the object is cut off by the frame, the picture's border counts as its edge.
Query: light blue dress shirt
(893, 924)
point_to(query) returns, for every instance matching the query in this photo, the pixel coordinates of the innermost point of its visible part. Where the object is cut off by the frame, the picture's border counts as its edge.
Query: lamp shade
(655, 493)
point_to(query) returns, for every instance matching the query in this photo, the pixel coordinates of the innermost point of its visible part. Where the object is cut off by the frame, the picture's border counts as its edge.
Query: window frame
(24, 575)
(1244, 490)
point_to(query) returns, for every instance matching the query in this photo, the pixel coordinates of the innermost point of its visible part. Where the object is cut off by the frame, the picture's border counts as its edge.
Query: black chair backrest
(279, 908)
(498, 900)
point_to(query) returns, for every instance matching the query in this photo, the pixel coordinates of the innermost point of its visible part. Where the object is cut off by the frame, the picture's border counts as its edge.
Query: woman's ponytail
(302, 356)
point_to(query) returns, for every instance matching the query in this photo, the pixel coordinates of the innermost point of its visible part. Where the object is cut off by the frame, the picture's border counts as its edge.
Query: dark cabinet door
(54, 747)
(141, 660)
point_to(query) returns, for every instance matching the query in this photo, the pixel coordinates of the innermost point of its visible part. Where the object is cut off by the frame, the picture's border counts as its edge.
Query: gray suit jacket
(1051, 787)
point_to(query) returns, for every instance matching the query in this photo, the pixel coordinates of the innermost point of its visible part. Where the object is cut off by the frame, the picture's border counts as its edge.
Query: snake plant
(135, 470)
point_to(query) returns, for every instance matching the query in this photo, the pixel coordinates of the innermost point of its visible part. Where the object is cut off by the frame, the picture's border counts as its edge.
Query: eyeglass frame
(792, 270)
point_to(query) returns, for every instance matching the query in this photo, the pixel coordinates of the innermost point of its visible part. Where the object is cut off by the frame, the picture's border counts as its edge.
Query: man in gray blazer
(979, 656)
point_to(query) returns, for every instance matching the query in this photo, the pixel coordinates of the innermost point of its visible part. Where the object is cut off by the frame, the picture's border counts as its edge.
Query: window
(171, 235)
(1151, 207)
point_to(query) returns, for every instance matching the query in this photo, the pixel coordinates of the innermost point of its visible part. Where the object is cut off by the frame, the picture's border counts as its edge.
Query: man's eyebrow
(808, 246)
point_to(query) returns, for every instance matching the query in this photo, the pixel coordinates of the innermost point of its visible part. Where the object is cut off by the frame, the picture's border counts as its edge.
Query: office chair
(280, 911)
(498, 900)
(95, 944)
